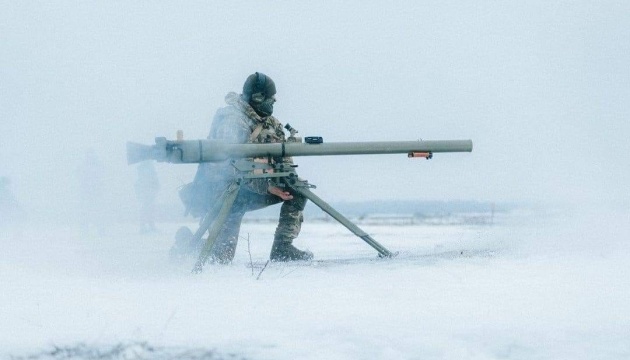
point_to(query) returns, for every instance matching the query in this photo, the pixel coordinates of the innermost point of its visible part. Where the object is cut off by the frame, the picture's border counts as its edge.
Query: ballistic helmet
(258, 83)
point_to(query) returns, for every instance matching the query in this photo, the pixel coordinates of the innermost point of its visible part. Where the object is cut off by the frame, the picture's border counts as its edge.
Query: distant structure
(9, 207)
(91, 192)
(147, 187)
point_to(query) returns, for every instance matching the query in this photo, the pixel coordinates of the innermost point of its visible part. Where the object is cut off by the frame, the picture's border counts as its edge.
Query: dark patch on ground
(127, 351)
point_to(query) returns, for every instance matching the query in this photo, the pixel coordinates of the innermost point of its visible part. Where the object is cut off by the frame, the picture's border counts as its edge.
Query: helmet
(259, 91)
(258, 83)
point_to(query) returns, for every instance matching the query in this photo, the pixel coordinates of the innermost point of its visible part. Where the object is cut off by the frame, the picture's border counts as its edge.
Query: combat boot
(285, 251)
(223, 251)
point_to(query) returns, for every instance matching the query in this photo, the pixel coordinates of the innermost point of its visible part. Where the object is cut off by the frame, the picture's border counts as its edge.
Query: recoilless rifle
(283, 175)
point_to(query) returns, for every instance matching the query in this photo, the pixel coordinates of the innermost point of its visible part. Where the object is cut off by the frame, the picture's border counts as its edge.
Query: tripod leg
(205, 223)
(186, 242)
(227, 200)
(382, 251)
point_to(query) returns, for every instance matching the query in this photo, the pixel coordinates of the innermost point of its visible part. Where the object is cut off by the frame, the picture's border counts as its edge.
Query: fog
(541, 88)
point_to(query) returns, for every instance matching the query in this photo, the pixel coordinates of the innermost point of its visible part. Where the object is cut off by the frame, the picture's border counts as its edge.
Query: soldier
(91, 192)
(147, 187)
(9, 207)
(247, 118)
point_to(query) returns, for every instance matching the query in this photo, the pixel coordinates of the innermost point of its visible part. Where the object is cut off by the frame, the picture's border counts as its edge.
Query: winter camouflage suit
(236, 123)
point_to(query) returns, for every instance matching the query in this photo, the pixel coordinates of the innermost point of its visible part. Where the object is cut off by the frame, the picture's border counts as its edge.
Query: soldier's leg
(289, 226)
(225, 245)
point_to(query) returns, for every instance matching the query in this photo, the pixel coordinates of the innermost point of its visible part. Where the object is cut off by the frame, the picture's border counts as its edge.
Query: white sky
(542, 88)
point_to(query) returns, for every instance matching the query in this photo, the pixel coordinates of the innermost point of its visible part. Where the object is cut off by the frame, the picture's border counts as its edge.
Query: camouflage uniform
(236, 123)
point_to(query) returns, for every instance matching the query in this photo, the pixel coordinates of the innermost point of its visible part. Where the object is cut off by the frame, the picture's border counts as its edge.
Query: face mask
(262, 105)
(266, 107)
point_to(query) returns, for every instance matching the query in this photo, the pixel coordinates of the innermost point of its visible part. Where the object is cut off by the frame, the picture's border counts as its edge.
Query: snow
(534, 285)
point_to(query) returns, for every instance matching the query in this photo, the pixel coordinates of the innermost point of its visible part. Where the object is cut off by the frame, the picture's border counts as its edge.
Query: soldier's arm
(229, 128)
(284, 195)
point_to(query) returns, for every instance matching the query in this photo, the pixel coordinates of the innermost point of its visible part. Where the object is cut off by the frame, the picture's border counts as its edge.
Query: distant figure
(147, 187)
(9, 207)
(91, 177)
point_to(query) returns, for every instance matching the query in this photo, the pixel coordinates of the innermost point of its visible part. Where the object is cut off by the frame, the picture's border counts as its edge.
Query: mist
(540, 87)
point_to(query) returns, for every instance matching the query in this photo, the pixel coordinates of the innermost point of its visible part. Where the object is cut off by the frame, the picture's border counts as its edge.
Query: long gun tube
(198, 151)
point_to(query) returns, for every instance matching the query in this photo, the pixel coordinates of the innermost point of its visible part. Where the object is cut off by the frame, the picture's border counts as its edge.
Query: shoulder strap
(256, 132)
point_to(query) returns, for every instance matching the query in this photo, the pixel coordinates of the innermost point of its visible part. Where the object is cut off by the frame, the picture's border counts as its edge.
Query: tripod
(281, 175)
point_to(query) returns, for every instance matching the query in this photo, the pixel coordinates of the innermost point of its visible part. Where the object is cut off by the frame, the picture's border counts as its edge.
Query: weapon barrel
(378, 147)
(197, 151)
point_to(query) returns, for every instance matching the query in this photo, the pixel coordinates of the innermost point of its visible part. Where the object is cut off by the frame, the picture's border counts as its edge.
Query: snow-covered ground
(552, 285)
